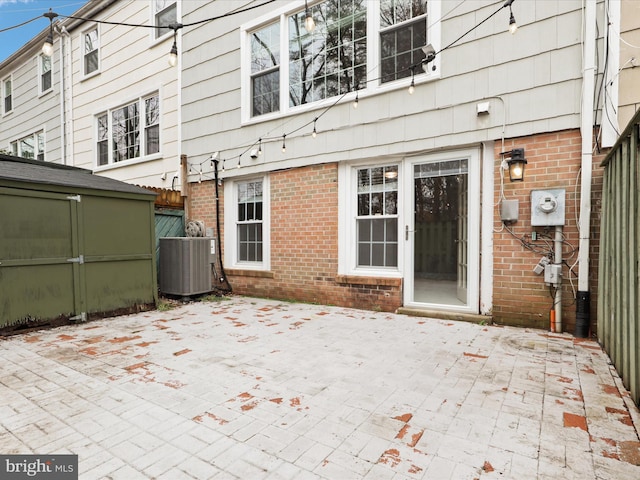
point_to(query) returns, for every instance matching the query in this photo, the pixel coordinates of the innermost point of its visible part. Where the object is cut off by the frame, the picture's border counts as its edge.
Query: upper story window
(403, 33)
(265, 70)
(355, 45)
(165, 12)
(31, 146)
(332, 59)
(128, 132)
(91, 51)
(7, 95)
(45, 73)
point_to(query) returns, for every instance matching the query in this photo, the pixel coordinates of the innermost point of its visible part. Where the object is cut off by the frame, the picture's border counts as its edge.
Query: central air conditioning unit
(185, 265)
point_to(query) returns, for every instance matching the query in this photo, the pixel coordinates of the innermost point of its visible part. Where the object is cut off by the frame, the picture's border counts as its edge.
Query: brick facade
(520, 297)
(304, 238)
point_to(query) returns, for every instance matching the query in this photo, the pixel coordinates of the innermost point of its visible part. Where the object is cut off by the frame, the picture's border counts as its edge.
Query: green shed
(73, 245)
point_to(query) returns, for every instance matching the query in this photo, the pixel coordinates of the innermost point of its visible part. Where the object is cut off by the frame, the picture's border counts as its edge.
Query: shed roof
(47, 173)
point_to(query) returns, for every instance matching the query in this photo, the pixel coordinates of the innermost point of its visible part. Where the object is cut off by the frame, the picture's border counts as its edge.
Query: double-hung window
(165, 12)
(355, 45)
(265, 70)
(45, 73)
(403, 33)
(377, 217)
(249, 221)
(248, 235)
(31, 146)
(128, 132)
(91, 51)
(7, 95)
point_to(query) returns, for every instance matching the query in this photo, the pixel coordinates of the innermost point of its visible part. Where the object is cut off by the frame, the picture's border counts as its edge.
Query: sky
(15, 12)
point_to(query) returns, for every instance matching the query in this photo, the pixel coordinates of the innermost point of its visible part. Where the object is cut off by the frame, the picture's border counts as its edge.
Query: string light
(412, 87)
(430, 55)
(309, 24)
(47, 48)
(173, 54)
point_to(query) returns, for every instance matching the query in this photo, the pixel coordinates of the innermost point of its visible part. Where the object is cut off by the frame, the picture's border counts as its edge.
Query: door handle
(407, 231)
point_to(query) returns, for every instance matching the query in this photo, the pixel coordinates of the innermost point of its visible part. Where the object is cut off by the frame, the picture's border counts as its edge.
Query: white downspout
(586, 131)
(64, 36)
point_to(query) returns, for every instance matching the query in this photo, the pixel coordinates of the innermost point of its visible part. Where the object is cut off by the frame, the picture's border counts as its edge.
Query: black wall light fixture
(516, 162)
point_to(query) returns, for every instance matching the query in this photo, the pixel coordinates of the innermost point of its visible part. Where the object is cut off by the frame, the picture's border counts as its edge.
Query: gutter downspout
(64, 36)
(586, 131)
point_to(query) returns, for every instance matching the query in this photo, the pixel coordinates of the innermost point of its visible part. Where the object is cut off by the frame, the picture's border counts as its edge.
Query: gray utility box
(185, 265)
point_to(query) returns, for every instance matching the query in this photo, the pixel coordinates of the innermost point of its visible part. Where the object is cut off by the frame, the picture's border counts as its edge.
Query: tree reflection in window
(332, 59)
(265, 70)
(403, 25)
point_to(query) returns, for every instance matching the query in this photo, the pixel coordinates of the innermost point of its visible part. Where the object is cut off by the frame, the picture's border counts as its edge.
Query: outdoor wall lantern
(515, 162)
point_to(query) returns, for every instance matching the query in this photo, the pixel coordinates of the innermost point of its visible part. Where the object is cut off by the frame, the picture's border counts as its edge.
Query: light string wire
(265, 138)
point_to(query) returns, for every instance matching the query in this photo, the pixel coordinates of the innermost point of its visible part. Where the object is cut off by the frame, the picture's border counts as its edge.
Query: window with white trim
(249, 221)
(45, 80)
(31, 146)
(377, 217)
(165, 12)
(128, 132)
(91, 51)
(265, 70)
(355, 45)
(7, 95)
(403, 33)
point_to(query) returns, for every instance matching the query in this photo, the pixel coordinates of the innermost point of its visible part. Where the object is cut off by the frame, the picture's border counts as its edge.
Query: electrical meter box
(547, 207)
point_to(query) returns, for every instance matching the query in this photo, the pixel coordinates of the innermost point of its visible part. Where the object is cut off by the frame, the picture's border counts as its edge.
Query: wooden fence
(618, 295)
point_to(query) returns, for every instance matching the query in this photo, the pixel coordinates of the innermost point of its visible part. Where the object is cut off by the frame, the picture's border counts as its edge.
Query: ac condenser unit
(185, 265)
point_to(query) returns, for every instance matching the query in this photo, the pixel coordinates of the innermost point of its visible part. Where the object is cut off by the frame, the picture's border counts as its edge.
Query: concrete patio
(259, 389)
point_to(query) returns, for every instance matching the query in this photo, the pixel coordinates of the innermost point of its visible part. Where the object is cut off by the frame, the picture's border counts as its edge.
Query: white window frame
(374, 86)
(231, 222)
(153, 14)
(143, 157)
(347, 222)
(15, 146)
(4, 93)
(98, 51)
(41, 59)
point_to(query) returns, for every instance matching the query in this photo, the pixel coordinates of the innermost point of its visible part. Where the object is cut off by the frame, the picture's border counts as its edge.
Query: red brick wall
(520, 297)
(304, 244)
(304, 238)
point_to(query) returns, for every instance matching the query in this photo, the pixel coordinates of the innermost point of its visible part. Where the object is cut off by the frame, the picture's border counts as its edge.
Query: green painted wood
(618, 282)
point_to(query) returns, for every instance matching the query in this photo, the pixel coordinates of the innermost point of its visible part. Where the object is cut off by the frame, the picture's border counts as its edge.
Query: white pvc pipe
(557, 260)
(586, 131)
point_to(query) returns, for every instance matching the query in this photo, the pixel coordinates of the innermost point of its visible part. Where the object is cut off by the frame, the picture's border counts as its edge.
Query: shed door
(39, 278)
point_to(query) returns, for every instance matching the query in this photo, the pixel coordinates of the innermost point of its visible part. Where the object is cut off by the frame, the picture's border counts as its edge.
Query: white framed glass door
(442, 231)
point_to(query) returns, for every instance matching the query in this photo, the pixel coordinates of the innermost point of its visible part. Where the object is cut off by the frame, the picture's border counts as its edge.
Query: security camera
(254, 153)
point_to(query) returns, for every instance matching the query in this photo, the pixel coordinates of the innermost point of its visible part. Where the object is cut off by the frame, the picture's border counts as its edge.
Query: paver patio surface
(260, 389)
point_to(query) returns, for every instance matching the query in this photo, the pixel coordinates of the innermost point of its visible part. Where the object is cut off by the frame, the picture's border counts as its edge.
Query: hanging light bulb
(284, 146)
(239, 157)
(309, 24)
(412, 87)
(513, 26)
(355, 102)
(47, 48)
(314, 134)
(223, 164)
(260, 147)
(173, 55)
